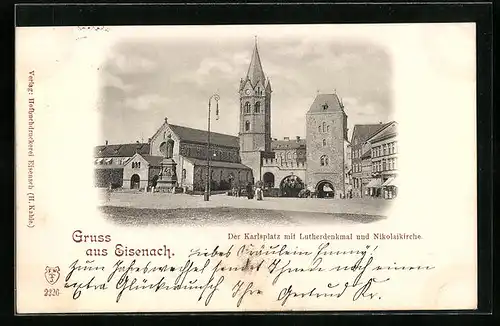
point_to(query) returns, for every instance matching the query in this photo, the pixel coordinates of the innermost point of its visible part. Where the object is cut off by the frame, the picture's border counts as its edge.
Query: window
(324, 126)
(323, 160)
(183, 173)
(324, 142)
(384, 166)
(247, 107)
(257, 107)
(136, 165)
(247, 125)
(385, 149)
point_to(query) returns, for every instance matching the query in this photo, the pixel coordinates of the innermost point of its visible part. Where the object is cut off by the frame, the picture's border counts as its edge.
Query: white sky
(154, 72)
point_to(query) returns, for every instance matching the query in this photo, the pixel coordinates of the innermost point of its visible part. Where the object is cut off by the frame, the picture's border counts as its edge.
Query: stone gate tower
(326, 132)
(255, 116)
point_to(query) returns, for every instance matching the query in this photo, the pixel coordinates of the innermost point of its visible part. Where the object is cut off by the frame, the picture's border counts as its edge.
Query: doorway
(135, 182)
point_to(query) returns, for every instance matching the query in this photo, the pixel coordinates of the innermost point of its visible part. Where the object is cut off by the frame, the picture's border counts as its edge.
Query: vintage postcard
(246, 168)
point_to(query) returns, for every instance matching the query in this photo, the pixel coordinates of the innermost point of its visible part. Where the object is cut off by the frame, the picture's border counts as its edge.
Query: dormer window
(325, 106)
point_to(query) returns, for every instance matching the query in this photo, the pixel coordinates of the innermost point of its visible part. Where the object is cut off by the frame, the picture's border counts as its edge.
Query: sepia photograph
(246, 168)
(246, 129)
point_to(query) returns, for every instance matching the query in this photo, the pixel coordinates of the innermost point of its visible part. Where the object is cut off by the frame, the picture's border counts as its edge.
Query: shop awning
(374, 183)
(108, 160)
(99, 160)
(391, 182)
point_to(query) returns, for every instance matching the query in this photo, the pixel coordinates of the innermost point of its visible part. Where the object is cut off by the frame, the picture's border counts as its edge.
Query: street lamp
(209, 175)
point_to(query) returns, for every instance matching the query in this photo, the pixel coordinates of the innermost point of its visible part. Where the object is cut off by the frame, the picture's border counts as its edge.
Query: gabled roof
(186, 134)
(153, 160)
(365, 131)
(288, 144)
(121, 150)
(326, 103)
(386, 132)
(255, 72)
(150, 159)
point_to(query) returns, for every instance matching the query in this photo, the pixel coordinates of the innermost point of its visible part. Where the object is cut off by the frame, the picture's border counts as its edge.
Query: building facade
(360, 156)
(384, 162)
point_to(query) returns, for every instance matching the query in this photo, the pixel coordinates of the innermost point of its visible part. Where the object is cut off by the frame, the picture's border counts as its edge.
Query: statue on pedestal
(168, 176)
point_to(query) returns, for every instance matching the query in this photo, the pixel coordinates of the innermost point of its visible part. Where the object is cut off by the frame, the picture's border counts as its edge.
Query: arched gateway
(325, 189)
(291, 186)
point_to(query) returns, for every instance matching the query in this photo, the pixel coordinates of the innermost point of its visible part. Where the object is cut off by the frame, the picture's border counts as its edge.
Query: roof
(107, 166)
(153, 160)
(200, 136)
(365, 131)
(121, 150)
(255, 72)
(387, 132)
(217, 164)
(288, 144)
(326, 103)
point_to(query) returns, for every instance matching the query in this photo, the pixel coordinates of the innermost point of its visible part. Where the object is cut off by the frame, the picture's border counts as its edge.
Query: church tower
(255, 115)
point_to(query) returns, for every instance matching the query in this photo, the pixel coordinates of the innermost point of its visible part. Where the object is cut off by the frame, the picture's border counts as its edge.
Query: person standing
(108, 192)
(249, 191)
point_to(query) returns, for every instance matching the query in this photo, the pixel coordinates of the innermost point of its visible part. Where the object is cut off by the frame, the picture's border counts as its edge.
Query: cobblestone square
(135, 208)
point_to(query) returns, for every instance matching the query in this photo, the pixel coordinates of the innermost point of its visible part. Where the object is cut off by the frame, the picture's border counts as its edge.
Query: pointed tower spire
(255, 71)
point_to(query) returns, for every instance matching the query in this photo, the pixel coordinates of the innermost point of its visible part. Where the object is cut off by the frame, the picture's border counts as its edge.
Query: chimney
(149, 140)
(106, 143)
(286, 138)
(298, 138)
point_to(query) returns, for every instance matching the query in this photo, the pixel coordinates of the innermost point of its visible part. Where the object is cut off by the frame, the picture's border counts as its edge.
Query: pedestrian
(108, 192)
(249, 191)
(258, 193)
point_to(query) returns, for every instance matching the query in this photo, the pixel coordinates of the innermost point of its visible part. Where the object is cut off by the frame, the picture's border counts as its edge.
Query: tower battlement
(273, 162)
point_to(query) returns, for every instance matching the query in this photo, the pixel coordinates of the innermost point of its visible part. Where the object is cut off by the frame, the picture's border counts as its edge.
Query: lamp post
(209, 174)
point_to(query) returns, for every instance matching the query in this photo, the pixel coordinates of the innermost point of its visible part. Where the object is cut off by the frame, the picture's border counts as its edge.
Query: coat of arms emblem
(52, 274)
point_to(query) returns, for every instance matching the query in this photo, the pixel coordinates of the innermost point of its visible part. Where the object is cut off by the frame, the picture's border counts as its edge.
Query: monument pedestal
(168, 177)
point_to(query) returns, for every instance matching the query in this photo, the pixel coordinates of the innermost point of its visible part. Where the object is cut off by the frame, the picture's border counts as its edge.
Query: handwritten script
(278, 271)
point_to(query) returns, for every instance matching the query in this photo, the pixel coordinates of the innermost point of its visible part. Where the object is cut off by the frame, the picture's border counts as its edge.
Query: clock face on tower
(247, 92)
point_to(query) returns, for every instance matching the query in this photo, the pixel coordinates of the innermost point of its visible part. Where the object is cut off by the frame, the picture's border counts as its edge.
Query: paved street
(181, 209)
